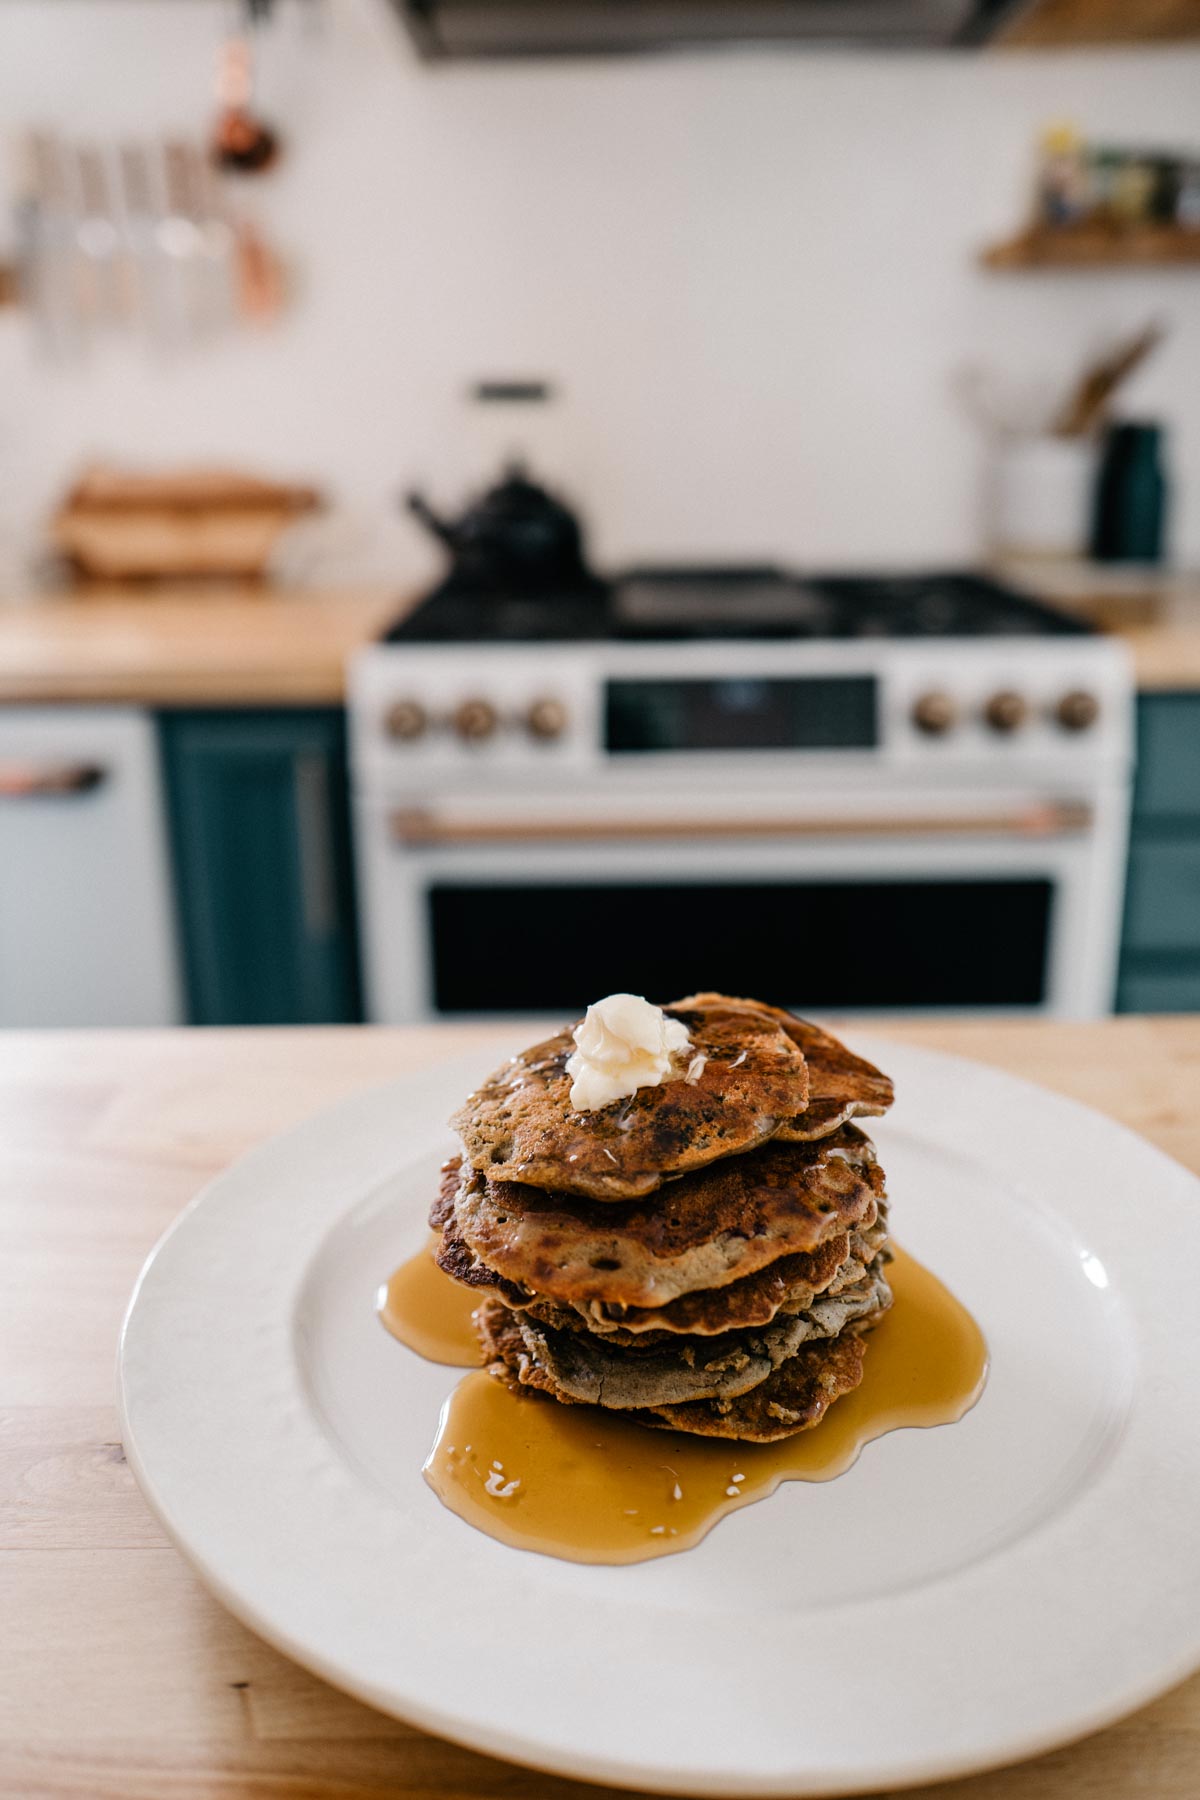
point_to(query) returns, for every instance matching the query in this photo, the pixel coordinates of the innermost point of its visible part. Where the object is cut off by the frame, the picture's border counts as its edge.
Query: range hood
(494, 28)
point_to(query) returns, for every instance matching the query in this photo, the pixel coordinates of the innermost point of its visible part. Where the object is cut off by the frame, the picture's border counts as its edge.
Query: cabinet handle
(45, 781)
(314, 830)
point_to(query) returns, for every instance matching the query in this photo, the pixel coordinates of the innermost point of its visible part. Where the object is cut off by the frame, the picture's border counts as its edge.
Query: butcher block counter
(262, 646)
(190, 646)
(120, 1677)
(1155, 612)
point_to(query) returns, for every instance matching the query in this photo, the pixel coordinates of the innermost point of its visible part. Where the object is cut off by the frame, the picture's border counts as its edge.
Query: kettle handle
(420, 507)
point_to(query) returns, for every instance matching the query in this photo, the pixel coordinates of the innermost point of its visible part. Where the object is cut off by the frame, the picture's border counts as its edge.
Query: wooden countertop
(253, 646)
(218, 646)
(1155, 611)
(120, 1678)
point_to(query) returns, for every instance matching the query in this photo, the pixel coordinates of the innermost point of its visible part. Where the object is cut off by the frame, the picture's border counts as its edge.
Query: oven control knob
(1006, 711)
(546, 719)
(1078, 710)
(405, 720)
(934, 713)
(475, 720)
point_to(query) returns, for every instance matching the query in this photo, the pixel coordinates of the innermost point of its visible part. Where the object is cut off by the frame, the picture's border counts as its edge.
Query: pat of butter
(623, 1044)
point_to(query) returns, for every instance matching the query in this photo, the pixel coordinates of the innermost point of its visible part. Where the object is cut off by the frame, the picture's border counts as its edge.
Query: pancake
(520, 1125)
(456, 1258)
(795, 1398)
(708, 1313)
(790, 1284)
(449, 1177)
(841, 1085)
(703, 1256)
(581, 1367)
(704, 1231)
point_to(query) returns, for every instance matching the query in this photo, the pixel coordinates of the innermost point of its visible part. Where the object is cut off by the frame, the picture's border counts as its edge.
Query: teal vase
(1129, 512)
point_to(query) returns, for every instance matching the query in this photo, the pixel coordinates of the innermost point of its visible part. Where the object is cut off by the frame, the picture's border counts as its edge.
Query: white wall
(752, 274)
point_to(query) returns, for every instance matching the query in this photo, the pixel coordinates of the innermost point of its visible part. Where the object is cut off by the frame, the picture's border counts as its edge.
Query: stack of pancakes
(702, 1256)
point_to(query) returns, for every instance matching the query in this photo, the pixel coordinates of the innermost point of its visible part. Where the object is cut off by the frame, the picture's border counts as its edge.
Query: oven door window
(553, 947)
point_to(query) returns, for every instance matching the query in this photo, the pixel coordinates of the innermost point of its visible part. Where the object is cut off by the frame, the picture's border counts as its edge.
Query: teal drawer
(1158, 988)
(1168, 774)
(1162, 900)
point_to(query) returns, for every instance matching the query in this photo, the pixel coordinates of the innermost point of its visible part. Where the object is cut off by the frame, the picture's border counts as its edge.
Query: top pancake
(520, 1125)
(841, 1085)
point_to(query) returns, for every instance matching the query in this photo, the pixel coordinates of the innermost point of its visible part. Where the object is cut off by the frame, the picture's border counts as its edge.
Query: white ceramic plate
(964, 1596)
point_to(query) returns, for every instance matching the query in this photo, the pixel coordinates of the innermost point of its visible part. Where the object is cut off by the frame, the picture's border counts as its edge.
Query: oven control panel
(421, 709)
(475, 719)
(418, 710)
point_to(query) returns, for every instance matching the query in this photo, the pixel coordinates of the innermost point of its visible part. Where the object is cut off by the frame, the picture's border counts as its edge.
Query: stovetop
(665, 605)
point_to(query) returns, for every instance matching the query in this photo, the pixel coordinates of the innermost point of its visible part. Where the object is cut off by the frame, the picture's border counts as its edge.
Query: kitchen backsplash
(751, 277)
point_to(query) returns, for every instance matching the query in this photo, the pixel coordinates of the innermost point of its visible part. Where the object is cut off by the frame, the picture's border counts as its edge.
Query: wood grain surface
(200, 645)
(120, 1678)
(231, 645)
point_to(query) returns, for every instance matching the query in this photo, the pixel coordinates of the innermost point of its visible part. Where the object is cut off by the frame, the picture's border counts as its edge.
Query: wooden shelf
(1095, 247)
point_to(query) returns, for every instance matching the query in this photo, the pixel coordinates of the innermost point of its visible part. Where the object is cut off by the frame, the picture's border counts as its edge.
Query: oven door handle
(48, 780)
(416, 827)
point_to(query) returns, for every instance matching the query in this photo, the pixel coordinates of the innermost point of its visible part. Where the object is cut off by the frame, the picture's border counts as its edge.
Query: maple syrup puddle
(583, 1484)
(429, 1312)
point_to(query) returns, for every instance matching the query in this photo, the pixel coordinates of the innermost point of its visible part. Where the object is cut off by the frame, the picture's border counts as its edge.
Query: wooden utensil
(1086, 408)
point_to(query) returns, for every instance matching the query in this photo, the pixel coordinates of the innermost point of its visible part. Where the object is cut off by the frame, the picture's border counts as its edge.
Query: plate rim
(1006, 1747)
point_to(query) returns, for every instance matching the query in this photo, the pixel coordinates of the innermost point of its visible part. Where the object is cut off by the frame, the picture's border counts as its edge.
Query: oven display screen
(822, 712)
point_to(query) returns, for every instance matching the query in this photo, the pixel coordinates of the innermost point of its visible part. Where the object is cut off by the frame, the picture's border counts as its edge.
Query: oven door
(1007, 903)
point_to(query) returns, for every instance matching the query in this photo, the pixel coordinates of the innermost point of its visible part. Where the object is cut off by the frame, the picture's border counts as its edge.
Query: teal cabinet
(1173, 988)
(1160, 945)
(263, 880)
(1168, 774)
(1162, 902)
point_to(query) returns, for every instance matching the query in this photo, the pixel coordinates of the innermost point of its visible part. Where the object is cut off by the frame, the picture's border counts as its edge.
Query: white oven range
(909, 823)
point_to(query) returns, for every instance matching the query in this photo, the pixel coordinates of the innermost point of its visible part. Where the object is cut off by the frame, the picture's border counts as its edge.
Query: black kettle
(516, 536)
